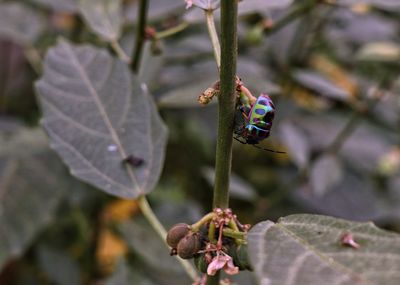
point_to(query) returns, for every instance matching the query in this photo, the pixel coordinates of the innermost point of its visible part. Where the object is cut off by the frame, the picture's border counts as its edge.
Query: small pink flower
(224, 262)
(189, 3)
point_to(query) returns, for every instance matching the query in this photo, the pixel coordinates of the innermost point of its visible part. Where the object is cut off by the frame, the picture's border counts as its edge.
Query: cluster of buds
(216, 242)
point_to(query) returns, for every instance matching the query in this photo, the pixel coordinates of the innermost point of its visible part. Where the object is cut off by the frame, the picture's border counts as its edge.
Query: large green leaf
(127, 274)
(32, 183)
(103, 16)
(307, 249)
(97, 115)
(152, 252)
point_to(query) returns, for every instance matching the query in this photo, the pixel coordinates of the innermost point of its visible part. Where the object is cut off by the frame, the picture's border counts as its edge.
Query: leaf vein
(72, 121)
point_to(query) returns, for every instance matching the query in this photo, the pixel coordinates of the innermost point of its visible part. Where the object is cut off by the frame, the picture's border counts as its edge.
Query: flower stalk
(226, 56)
(226, 103)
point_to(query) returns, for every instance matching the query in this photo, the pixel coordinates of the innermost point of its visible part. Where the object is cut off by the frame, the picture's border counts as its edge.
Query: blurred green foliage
(332, 70)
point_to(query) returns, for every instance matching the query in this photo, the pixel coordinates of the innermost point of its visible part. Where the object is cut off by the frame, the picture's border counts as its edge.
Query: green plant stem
(234, 234)
(196, 227)
(347, 130)
(211, 232)
(214, 280)
(171, 31)
(212, 31)
(140, 35)
(353, 121)
(158, 227)
(226, 102)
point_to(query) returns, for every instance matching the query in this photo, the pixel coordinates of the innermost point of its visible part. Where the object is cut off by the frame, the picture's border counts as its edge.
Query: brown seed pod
(176, 233)
(189, 246)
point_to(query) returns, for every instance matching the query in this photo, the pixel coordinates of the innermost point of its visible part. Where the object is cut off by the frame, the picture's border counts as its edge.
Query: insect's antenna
(270, 150)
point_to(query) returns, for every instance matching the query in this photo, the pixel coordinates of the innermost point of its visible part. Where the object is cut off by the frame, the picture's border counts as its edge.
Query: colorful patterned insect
(257, 121)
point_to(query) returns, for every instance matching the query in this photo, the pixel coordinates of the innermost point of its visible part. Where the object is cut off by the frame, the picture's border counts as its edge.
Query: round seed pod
(189, 246)
(176, 233)
(201, 263)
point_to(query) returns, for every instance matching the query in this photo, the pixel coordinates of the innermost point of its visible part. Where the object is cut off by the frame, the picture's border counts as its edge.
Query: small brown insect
(347, 239)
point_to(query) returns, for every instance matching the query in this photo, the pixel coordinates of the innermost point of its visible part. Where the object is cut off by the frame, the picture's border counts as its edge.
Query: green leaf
(103, 16)
(96, 115)
(326, 172)
(20, 23)
(60, 5)
(320, 84)
(307, 249)
(262, 6)
(152, 251)
(390, 5)
(125, 275)
(59, 266)
(157, 11)
(204, 4)
(297, 143)
(29, 195)
(380, 51)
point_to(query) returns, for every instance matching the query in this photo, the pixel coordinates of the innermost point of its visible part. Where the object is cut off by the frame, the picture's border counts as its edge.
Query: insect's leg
(244, 111)
(237, 139)
(267, 149)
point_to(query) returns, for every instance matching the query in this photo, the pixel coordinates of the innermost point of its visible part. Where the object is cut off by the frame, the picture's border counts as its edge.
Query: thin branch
(298, 10)
(158, 227)
(346, 131)
(120, 52)
(171, 31)
(212, 31)
(140, 35)
(354, 119)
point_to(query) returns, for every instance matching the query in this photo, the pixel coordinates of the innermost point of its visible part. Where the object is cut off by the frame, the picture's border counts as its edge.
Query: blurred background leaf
(104, 17)
(29, 195)
(332, 71)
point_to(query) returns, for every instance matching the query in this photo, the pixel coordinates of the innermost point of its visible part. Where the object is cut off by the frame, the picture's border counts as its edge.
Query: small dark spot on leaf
(133, 160)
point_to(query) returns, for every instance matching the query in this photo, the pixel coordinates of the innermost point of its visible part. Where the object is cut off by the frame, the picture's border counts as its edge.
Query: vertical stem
(140, 35)
(226, 100)
(225, 56)
(214, 280)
